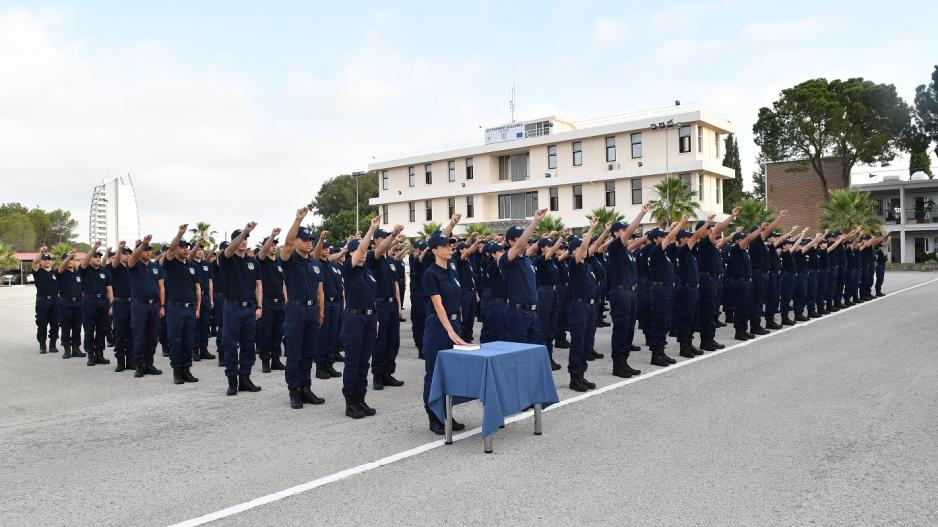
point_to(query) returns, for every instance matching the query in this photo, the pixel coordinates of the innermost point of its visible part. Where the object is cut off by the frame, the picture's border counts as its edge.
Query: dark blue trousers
(218, 318)
(801, 293)
(270, 331)
(709, 304)
(546, 303)
(757, 297)
(238, 342)
(621, 311)
(685, 308)
(660, 307)
(383, 361)
(329, 332)
(145, 328)
(122, 333)
(643, 306)
(493, 326)
(94, 323)
(70, 321)
(821, 288)
(581, 319)
(869, 272)
(359, 336)
(180, 329)
(812, 289)
(772, 294)
(47, 319)
(880, 276)
(840, 288)
(563, 300)
(740, 300)
(418, 316)
(521, 325)
(435, 339)
(787, 292)
(301, 338)
(467, 304)
(203, 324)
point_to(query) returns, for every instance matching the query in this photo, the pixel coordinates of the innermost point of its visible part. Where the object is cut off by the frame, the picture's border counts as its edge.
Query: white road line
(338, 476)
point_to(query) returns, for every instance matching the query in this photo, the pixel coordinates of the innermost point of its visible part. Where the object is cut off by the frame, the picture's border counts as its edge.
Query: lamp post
(667, 154)
(355, 176)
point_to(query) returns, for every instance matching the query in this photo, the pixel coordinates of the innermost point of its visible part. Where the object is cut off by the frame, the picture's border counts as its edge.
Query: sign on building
(505, 132)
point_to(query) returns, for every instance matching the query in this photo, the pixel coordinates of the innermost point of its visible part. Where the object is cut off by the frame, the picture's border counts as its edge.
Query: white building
(550, 163)
(909, 208)
(113, 215)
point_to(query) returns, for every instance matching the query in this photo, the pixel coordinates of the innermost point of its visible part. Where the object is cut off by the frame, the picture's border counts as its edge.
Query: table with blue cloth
(507, 377)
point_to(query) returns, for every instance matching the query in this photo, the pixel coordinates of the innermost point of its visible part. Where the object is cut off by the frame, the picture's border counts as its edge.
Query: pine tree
(732, 188)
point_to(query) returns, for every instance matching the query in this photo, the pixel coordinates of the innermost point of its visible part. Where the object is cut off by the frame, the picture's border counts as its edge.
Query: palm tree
(752, 212)
(548, 224)
(847, 209)
(203, 230)
(427, 229)
(605, 215)
(675, 199)
(8, 259)
(59, 249)
(483, 230)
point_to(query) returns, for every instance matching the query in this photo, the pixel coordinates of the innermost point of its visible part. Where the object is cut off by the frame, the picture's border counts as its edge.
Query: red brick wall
(795, 186)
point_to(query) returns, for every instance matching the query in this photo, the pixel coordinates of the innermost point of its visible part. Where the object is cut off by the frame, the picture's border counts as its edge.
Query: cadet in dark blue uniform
(710, 265)
(47, 301)
(496, 295)
(333, 289)
(243, 307)
(581, 313)
(359, 324)
(383, 362)
(547, 278)
(739, 272)
(759, 258)
(563, 292)
(218, 301)
(787, 282)
(147, 306)
(69, 306)
(304, 311)
(660, 292)
(120, 308)
(417, 307)
(521, 319)
(469, 294)
(881, 265)
(597, 260)
(687, 293)
(97, 296)
(270, 325)
(773, 287)
(183, 306)
(441, 288)
(621, 281)
(204, 322)
(401, 279)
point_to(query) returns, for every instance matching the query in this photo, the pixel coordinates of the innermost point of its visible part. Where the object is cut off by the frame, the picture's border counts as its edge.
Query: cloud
(771, 32)
(608, 32)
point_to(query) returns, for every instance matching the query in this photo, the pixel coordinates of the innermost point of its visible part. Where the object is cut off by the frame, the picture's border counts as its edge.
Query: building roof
(927, 184)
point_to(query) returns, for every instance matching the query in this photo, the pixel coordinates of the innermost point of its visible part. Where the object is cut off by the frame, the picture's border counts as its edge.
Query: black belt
(240, 304)
(548, 287)
(623, 286)
(467, 290)
(585, 300)
(741, 279)
(333, 299)
(303, 302)
(71, 298)
(715, 275)
(661, 283)
(360, 311)
(268, 301)
(385, 299)
(89, 295)
(45, 298)
(526, 307)
(451, 316)
(692, 286)
(498, 300)
(182, 304)
(122, 299)
(145, 301)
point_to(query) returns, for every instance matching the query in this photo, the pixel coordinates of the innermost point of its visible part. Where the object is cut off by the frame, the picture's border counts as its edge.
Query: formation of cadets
(308, 301)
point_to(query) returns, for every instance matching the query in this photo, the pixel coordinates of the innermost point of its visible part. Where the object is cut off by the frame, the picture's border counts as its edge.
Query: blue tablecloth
(506, 376)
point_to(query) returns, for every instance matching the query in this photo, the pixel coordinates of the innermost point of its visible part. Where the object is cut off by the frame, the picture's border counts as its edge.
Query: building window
(470, 207)
(537, 129)
(610, 193)
(686, 179)
(451, 174)
(700, 187)
(411, 176)
(412, 217)
(513, 168)
(384, 214)
(530, 204)
(683, 139)
(552, 156)
(716, 145)
(610, 149)
(451, 207)
(428, 173)
(637, 145)
(428, 204)
(384, 180)
(468, 168)
(554, 195)
(577, 153)
(504, 206)
(637, 191)
(718, 193)
(517, 206)
(577, 197)
(699, 138)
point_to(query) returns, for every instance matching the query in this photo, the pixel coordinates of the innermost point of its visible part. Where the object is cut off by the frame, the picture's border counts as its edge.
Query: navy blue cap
(45, 256)
(64, 255)
(654, 234)
(738, 236)
(335, 250)
(788, 241)
(437, 241)
(573, 242)
(699, 224)
(513, 232)
(380, 233)
(223, 245)
(421, 245)
(184, 244)
(110, 254)
(126, 250)
(493, 248)
(838, 233)
(304, 234)
(326, 244)
(683, 234)
(753, 229)
(774, 234)
(353, 244)
(462, 245)
(544, 242)
(618, 226)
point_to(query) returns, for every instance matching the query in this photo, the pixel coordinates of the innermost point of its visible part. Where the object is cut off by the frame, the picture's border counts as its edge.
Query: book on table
(467, 347)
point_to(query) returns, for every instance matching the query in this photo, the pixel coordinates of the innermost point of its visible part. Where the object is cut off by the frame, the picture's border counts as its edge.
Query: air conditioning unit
(611, 166)
(548, 175)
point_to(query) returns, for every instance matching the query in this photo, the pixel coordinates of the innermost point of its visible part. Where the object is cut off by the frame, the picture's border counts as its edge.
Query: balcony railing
(891, 216)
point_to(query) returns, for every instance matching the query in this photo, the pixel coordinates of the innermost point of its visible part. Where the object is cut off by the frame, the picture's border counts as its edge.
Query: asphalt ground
(832, 422)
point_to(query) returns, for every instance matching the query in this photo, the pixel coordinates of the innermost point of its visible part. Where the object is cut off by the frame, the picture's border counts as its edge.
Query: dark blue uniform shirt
(546, 272)
(302, 276)
(583, 283)
(687, 266)
(788, 262)
(94, 281)
(47, 283)
(69, 284)
(239, 277)
(444, 282)
(494, 280)
(617, 257)
(708, 256)
(416, 273)
(466, 272)
(331, 279)
(120, 281)
(272, 278)
(759, 254)
(381, 272)
(739, 266)
(144, 281)
(519, 278)
(180, 281)
(660, 268)
(361, 287)
(203, 273)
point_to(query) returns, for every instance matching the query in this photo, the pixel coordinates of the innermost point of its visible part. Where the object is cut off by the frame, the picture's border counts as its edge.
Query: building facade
(114, 215)
(795, 186)
(549, 163)
(909, 208)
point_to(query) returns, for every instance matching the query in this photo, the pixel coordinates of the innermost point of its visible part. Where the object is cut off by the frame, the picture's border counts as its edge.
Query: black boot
(378, 382)
(196, 357)
(339, 357)
(553, 364)
(67, 353)
(633, 347)
(686, 351)
(711, 345)
(695, 349)
(771, 324)
(561, 343)
(42, 347)
(666, 357)
(76, 351)
(141, 369)
(99, 358)
(152, 370)
(321, 372)
(741, 335)
(597, 355)
(245, 384)
(619, 367)
(165, 351)
(658, 357)
(369, 411)
(352, 408)
(578, 383)
(121, 364)
(800, 318)
(275, 364)
(177, 376)
(265, 365)
(310, 397)
(389, 380)
(335, 374)
(436, 426)
(52, 348)
(221, 359)
(787, 321)
(90, 361)
(756, 329)
(204, 354)
(187, 376)
(232, 386)
(296, 401)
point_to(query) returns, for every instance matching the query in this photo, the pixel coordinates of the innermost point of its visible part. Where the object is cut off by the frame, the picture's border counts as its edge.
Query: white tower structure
(114, 214)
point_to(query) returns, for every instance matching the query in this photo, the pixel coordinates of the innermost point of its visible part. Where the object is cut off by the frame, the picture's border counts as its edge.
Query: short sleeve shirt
(239, 277)
(519, 278)
(302, 276)
(94, 281)
(46, 282)
(361, 287)
(443, 282)
(144, 281)
(180, 280)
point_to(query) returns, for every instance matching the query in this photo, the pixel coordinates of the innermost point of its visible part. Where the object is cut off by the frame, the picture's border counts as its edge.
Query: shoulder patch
(251, 266)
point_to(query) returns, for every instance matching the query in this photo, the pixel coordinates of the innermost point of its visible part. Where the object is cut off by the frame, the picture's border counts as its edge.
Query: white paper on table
(467, 347)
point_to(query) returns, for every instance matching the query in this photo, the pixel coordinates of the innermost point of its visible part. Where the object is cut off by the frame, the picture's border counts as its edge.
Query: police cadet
(417, 312)
(47, 306)
(183, 306)
(147, 306)
(204, 321)
(120, 307)
(547, 278)
(333, 288)
(69, 305)
(597, 260)
(384, 271)
(97, 296)
(304, 311)
(739, 271)
(270, 325)
(710, 266)
(359, 324)
(401, 279)
(880, 266)
(563, 291)
(581, 313)
(441, 288)
(759, 260)
(521, 318)
(773, 289)
(469, 293)
(661, 279)
(163, 338)
(621, 281)
(687, 293)
(243, 292)
(218, 301)
(495, 296)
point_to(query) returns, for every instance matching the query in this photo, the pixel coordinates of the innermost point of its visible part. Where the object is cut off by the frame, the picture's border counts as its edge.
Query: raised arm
(264, 253)
(771, 226)
(579, 254)
(37, 260)
(594, 246)
(521, 243)
(171, 252)
(551, 250)
(287, 250)
(236, 243)
(472, 248)
(672, 234)
(636, 222)
(87, 259)
(448, 230)
(358, 257)
(382, 248)
(781, 239)
(138, 250)
(317, 250)
(700, 233)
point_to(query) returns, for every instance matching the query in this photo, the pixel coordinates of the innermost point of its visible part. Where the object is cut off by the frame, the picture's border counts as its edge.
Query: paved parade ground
(832, 422)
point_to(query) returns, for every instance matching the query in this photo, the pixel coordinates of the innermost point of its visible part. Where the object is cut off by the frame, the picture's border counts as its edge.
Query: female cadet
(581, 313)
(493, 300)
(442, 291)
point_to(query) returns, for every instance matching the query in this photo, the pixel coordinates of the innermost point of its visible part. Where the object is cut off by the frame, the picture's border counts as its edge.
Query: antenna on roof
(511, 103)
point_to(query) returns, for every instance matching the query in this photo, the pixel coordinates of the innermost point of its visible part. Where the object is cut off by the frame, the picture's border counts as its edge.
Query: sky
(230, 111)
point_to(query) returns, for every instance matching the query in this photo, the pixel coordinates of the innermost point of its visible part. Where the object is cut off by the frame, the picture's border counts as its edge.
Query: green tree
(342, 225)
(853, 121)
(752, 213)
(337, 195)
(427, 229)
(675, 199)
(605, 215)
(758, 182)
(483, 230)
(733, 191)
(58, 250)
(48, 227)
(550, 223)
(926, 109)
(8, 259)
(920, 161)
(16, 229)
(204, 230)
(847, 209)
